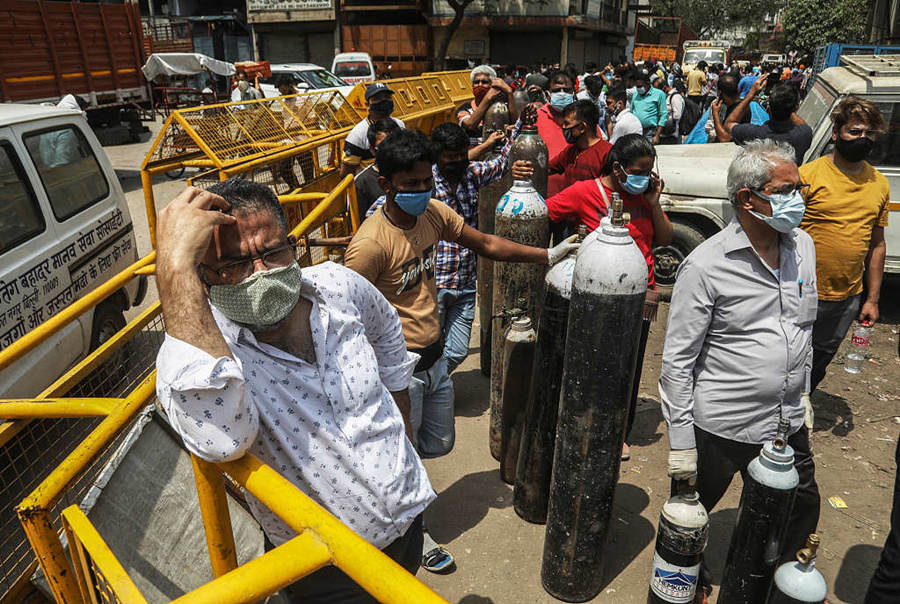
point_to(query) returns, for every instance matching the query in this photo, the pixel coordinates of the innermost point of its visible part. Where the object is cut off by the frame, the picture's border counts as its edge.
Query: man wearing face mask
(487, 89)
(380, 101)
(593, 92)
(847, 212)
(395, 250)
(621, 120)
(738, 347)
(244, 90)
(648, 104)
(306, 369)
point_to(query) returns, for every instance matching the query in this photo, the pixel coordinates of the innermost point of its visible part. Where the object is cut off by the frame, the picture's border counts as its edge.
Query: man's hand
(655, 189)
(562, 249)
(491, 94)
(868, 314)
(714, 107)
(185, 227)
(682, 463)
(522, 170)
(495, 137)
(501, 85)
(655, 140)
(758, 85)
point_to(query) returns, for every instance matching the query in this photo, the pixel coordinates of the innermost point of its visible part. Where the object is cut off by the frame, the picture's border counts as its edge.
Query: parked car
(65, 230)
(354, 67)
(773, 59)
(695, 198)
(306, 76)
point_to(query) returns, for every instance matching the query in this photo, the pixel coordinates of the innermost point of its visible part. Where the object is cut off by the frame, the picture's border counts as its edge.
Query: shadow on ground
(856, 571)
(473, 599)
(647, 421)
(459, 510)
(629, 532)
(832, 413)
(466, 383)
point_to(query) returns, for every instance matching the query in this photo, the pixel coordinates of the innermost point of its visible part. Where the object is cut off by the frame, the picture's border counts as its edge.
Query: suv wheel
(685, 237)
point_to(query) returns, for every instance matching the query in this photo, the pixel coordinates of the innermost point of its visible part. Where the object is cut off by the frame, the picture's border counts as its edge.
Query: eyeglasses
(801, 188)
(485, 82)
(235, 272)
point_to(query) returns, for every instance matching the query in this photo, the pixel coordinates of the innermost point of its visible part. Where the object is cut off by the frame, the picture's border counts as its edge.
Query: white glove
(809, 416)
(562, 249)
(682, 463)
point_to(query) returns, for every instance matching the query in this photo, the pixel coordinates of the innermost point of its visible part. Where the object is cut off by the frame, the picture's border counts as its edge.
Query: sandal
(626, 452)
(438, 560)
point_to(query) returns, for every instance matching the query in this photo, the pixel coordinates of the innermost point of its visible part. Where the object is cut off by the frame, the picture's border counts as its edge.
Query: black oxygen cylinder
(799, 582)
(518, 357)
(680, 541)
(535, 465)
(765, 509)
(608, 288)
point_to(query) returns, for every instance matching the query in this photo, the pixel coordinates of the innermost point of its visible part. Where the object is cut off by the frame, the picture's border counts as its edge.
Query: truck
(396, 50)
(695, 197)
(711, 51)
(659, 38)
(93, 50)
(830, 55)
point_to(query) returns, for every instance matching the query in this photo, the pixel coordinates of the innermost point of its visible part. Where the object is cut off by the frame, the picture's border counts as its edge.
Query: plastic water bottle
(859, 342)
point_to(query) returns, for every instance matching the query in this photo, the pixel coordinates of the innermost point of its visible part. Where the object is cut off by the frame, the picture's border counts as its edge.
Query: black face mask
(385, 107)
(854, 149)
(455, 169)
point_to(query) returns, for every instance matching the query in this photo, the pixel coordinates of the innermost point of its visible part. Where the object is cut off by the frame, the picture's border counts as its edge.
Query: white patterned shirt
(331, 428)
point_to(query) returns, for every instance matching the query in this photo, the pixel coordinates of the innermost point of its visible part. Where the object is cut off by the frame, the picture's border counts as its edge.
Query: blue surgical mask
(787, 210)
(414, 203)
(636, 183)
(641, 90)
(561, 100)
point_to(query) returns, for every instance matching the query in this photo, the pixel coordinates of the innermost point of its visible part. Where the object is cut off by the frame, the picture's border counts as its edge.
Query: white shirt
(625, 123)
(357, 141)
(675, 107)
(331, 428)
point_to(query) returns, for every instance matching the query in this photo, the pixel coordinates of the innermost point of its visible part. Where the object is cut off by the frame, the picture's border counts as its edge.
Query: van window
(20, 217)
(353, 69)
(887, 145)
(67, 167)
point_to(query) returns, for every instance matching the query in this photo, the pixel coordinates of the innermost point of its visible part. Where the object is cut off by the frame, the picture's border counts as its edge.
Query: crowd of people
(340, 376)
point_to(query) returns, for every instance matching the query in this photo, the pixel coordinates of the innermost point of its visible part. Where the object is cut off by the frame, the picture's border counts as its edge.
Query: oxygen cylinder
(521, 217)
(605, 313)
(518, 356)
(799, 582)
(535, 463)
(763, 514)
(530, 147)
(680, 541)
(496, 118)
(519, 100)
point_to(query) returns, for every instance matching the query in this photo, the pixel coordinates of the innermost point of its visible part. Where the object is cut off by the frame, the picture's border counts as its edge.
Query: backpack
(689, 117)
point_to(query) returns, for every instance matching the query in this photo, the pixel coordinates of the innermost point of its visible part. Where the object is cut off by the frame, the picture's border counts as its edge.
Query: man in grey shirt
(738, 347)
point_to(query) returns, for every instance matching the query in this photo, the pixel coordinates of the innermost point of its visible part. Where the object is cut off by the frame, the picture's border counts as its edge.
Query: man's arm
(689, 317)
(498, 248)
(737, 114)
(722, 135)
(473, 120)
(874, 274)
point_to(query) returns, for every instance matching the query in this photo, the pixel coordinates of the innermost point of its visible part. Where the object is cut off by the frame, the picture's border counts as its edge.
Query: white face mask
(243, 85)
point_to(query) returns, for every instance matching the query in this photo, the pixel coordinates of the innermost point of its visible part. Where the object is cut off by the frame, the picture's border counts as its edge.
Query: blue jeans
(431, 410)
(456, 308)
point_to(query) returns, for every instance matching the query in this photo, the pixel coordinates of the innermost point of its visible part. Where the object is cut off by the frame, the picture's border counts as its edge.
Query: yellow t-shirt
(400, 263)
(696, 80)
(841, 211)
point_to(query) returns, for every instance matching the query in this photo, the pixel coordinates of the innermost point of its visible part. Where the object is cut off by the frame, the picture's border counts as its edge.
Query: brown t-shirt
(400, 263)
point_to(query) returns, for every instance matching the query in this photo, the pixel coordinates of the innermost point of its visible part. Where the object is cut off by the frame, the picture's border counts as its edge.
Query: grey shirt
(739, 340)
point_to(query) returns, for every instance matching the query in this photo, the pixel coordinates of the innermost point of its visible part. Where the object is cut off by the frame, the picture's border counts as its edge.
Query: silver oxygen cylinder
(765, 509)
(518, 359)
(605, 314)
(521, 217)
(680, 541)
(799, 581)
(496, 118)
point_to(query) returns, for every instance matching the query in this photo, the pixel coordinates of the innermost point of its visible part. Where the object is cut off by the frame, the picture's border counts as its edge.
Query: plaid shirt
(455, 264)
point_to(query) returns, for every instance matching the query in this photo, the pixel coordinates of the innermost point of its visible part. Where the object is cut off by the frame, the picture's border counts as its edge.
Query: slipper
(626, 452)
(438, 561)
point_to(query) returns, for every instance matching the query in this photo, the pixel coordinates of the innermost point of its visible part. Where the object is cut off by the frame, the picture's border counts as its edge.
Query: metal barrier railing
(458, 84)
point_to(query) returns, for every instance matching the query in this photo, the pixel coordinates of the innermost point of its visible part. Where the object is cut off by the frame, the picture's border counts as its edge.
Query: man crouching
(307, 369)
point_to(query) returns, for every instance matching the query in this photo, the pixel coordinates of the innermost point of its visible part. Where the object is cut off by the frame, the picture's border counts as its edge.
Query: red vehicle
(659, 38)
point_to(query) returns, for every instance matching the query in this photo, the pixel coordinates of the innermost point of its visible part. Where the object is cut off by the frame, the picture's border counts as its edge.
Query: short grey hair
(483, 69)
(752, 167)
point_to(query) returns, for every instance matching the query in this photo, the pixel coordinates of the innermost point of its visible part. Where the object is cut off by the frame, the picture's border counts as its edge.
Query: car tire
(108, 319)
(685, 237)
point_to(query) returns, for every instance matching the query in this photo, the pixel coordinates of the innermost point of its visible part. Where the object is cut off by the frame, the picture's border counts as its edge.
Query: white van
(64, 230)
(353, 67)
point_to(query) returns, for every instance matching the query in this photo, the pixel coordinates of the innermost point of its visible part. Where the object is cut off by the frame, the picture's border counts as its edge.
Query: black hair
(561, 76)
(284, 80)
(617, 93)
(585, 111)
(401, 151)
(448, 137)
(728, 85)
(383, 125)
(590, 66)
(642, 76)
(783, 101)
(249, 197)
(702, 65)
(628, 150)
(593, 84)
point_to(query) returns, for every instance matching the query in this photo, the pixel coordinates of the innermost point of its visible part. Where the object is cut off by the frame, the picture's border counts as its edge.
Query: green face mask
(261, 300)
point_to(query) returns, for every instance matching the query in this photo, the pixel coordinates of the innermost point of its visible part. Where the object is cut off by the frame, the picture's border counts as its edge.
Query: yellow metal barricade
(458, 84)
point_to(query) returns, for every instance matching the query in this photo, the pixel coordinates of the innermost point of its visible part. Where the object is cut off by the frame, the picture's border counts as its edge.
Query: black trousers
(329, 585)
(718, 459)
(885, 584)
(833, 321)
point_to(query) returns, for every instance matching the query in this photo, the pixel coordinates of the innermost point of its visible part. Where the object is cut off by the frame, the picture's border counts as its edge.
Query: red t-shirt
(582, 203)
(578, 165)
